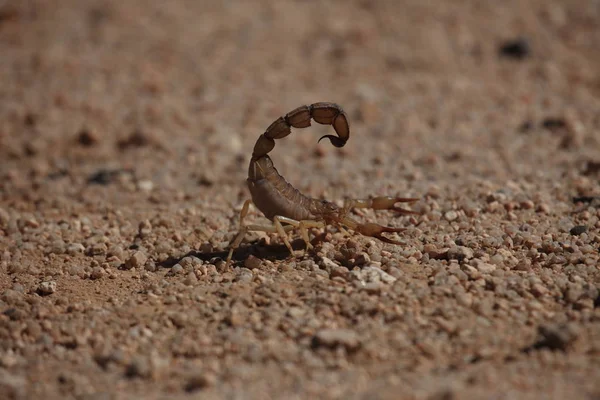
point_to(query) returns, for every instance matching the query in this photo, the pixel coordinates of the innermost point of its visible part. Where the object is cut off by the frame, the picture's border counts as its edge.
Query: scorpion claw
(389, 203)
(388, 240)
(377, 231)
(404, 211)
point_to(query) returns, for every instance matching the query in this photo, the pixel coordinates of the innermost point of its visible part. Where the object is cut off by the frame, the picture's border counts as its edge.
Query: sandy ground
(126, 128)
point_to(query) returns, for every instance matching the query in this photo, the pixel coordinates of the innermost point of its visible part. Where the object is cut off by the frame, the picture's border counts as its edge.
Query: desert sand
(126, 128)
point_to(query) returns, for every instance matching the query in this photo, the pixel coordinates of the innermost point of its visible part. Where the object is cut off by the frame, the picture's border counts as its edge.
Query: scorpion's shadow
(257, 249)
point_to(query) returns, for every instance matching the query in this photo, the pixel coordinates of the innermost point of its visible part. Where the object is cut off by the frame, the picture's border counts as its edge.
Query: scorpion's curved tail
(323, 113)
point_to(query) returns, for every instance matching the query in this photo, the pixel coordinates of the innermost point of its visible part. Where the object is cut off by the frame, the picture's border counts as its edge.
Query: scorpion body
(287, 207)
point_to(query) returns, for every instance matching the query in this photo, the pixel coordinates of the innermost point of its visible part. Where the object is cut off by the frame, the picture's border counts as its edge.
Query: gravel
(125, 136)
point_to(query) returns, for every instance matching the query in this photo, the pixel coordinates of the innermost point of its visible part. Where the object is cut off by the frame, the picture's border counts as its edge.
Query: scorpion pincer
(283, 204)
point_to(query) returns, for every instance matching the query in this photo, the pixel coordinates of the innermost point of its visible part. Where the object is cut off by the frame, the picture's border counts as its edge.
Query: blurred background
(179, 92)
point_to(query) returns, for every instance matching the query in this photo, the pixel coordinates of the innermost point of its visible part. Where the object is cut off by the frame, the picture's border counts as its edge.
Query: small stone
(341, 272)
(578, 230)
(451, 215)
(527, 205)
(12, 385)
(176, 269)
(75, 248)
(11, 296)
(333, 338)
(523, 265)
(97, 273)
(557, 337)
(460, 253)
(372, 274)
(47, 288)
(484, 267)
(574, 292)
(543, 208)
(163, 247)
(145, 185)
(4, 217)
(137, 260)
(190, 279)
(362, 259)
(76, 270)
(372, 287)
(200, 381)
(150, 266)
(138, 368)
(538, 289)
(144, 228)
(179, 319)
(244, 275)
(435, 253)
(328, 264)
(57, 247)
(465, 299)
(97, 249)
(517, 49)
(28, 221)
(252, 262)
(87, 138)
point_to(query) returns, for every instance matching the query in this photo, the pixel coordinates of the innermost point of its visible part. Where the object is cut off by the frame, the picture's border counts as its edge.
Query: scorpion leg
(277, 220)
(381, 203)
(303, 226)
(243, 229)
(235, 243)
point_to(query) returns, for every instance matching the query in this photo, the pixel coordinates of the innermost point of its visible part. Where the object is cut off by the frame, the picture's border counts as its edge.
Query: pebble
(191, 279)
(573, 293)
(372, 274)
(75, 248)
(557, 336)
(97, 273)
(451, 215)
(137, 260)
(150, 266)
(138, 368)
(252, 262)
(176, 269)
(244, 275)
(543, 208)
(200, 381)
(362, 259)
(164, 247)
(332, 338)
(578, 230)
(97, 249)
(341, 272)
(484, 267)
(372, 287)
(4, 217)
(57, 247)
(144, 228)
(47, 288)
(516, 49)
(328, 264)
(145, 185)
(460, 253)
(76, 270)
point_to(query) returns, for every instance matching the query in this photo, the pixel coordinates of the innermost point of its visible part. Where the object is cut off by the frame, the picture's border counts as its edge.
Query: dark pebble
(517, 49)
(578, 230)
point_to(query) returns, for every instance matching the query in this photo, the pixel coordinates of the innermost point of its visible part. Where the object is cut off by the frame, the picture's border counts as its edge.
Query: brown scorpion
(283, 204)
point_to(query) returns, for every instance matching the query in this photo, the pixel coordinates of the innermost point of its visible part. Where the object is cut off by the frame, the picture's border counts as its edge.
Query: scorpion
(286, 206)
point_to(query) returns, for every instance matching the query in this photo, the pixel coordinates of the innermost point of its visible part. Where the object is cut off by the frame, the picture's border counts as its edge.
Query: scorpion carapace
(285, 205)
